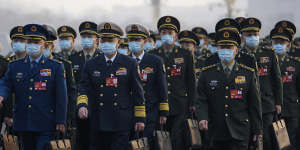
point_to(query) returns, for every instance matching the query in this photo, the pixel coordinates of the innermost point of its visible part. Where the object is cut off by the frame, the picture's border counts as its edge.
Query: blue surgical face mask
(148, 46)
(46, 52)
(65, 44)
(225, 55)
(201, 43)
(158, 43)
(123, 51)
(87, 43)
(18, 47)
(252, 41)
(167, 39)
(108, 48)
(135, 47)
(33, 49)
(212, 49)
(279, 49)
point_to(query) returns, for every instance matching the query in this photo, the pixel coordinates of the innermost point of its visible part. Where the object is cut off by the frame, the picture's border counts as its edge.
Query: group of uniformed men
(119, 87)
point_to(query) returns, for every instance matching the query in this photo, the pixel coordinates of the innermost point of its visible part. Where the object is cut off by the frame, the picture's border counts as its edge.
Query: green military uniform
(290, 74)
(78, 60)
(71, 87)
(66, 31)
(229, 101)
(181, 82)
(269, 79)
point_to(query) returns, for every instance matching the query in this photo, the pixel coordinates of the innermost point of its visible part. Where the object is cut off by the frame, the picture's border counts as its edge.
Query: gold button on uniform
(29, 97)
(101, 95)
(169, 84)
(226, 97)
(226, 106)
(168, 76)
(226, 115)
(29, 106)
(30, 88)
(101, 85)
(115, 94)
(101, 104)
(115, 104)
(31, 80)
(226, 87)
(169, 92)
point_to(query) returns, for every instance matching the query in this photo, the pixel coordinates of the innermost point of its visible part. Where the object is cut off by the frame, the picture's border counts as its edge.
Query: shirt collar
(36, 60)
(140, 57)
(229, 67)
(112, 59)
(90, 53)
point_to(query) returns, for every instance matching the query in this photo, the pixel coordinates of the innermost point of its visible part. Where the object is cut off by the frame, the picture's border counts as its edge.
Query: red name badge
(263, 72)
(287, 78)
(236, 94)
(40, 86)
(143, 76)
(175, 71)
(112, 81)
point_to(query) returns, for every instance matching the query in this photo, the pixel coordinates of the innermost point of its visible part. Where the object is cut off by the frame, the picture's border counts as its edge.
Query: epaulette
(247, 53)
(55, 60)
(209, 67)
(294, 58)
(267, 48)
(247, 68)
(63, 60)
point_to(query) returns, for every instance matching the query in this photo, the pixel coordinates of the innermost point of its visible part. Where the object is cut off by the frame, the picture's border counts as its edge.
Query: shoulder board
(55, 60)
(209, 67)
(247, 68)
(264, 48)
(294, 58)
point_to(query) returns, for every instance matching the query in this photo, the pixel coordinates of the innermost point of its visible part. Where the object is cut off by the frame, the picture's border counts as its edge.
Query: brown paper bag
(281, 134)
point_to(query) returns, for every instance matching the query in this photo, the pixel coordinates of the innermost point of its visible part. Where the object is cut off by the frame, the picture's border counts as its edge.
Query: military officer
(71, 87)
(41, 94)
(89, 44)
(17, 43)
(230, 106)
(154, 81)
(123, 48)
(291, 28)
(180, 76)
(201, 33)
(67, 36)
(111, 89)
(242, 56)
(189, 40)
(281, 42)
(18, 46)
(269, 75)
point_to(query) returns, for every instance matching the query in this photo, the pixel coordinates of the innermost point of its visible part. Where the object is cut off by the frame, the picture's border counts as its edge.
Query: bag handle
(163, 130)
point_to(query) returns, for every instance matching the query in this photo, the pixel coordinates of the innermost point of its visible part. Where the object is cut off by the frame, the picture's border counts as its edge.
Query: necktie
(109, 63)
(138, 60)
(87, 57)
(227, 72)
(34, 64)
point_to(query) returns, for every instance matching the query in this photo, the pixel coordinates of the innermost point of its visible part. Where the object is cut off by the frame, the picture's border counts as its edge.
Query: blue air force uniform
(41, 96)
